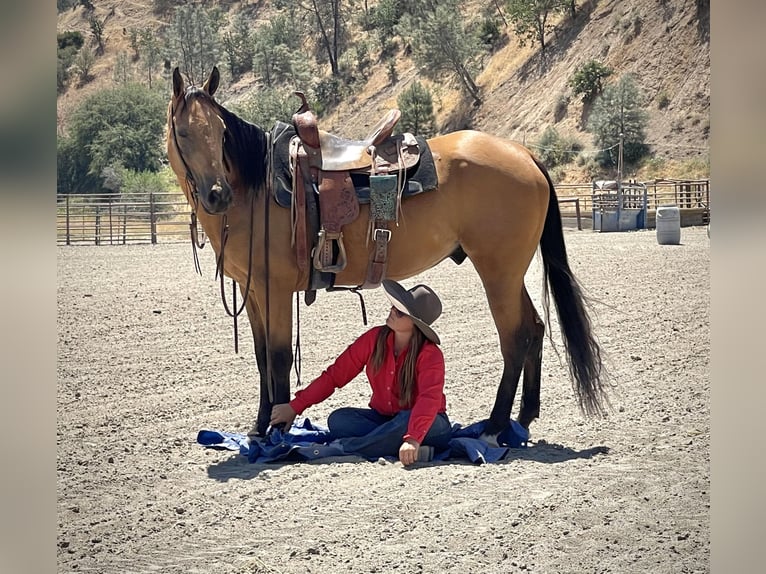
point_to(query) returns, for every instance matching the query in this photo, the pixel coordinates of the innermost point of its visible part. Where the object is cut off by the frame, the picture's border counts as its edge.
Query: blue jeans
(368, 433)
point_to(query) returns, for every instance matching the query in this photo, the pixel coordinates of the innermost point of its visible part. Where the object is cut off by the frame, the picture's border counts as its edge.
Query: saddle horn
(304, 105)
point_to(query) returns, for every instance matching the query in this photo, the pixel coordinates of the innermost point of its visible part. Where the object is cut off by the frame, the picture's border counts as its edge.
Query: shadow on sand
(237, 465)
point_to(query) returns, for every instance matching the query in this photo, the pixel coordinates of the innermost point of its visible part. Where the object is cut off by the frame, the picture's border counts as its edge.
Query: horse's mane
(246, 146)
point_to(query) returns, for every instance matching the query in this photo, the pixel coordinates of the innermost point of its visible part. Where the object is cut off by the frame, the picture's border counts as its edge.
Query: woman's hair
(407, 375)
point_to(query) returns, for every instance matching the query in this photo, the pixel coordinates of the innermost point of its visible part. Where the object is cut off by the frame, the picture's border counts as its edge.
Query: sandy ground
(146, 359)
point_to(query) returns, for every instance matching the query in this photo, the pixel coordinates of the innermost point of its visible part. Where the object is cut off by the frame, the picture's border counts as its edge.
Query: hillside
(665, 43)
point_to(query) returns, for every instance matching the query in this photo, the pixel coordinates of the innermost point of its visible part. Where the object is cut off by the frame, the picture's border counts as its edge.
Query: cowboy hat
(420, 303)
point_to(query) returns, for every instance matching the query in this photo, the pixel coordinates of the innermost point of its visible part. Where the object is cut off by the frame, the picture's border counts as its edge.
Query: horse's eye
(182, 132)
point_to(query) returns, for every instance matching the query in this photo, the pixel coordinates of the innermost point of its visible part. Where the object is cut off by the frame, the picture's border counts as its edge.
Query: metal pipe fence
(114, 220)
(164, 217)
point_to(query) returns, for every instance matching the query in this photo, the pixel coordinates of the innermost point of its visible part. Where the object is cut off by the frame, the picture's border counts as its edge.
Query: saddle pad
(422, 177)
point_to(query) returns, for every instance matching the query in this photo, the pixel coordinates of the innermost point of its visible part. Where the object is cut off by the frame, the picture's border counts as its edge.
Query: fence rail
(691, 196)
(164, 217)
(110, 220)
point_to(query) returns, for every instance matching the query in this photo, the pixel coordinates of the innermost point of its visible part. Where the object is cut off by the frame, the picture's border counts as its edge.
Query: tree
(238, 43)
(68, 44)
(83, 64)
(588, 80)
(417, 110)
(277, 53)
(97, 27)
(554, 149)
(440, 42)
(193, 35)
(266, 107)
(150, 50)
(384, 19)
(332, 37)
(122, 72)
(619, 110)
(122, 126)
(530, 18)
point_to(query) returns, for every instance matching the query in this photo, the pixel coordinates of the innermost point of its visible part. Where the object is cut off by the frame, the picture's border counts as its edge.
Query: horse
(494, 203)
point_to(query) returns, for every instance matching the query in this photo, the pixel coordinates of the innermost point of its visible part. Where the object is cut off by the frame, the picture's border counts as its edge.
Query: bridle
(193, 192)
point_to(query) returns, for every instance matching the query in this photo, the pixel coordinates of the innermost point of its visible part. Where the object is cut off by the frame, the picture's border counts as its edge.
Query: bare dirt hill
(665, 43)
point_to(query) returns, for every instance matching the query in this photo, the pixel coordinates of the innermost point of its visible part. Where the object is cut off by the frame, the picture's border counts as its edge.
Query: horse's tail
(586, 369)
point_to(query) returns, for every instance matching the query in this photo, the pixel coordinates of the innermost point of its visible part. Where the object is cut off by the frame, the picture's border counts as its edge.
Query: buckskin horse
(494, 203)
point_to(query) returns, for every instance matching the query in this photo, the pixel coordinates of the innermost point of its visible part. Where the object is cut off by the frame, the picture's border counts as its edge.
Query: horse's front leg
(273, 354)
(259, 344)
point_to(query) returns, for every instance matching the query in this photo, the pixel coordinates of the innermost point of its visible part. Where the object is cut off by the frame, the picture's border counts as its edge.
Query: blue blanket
(308, 441)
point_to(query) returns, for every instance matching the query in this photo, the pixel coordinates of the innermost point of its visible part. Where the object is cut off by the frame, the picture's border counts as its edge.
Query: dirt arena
(146, 359)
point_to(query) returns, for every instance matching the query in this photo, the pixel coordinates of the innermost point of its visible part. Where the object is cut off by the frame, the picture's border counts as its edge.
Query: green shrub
(560, 107)
(489, 32)
(554, 150)
(68, 45)
(267, 106)
(329, 93)
(588, 80)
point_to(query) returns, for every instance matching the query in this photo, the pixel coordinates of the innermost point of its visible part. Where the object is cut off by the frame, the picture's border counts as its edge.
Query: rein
(193, 192)
(194, 235)
(220, 267)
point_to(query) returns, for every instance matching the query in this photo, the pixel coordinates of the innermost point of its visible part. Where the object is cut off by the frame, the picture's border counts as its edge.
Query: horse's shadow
(552, 453)
(237, 466)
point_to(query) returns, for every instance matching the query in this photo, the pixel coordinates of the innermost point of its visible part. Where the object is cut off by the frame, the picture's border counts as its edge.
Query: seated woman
(407, 414)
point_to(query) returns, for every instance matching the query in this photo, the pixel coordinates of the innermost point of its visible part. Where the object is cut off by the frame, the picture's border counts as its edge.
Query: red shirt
(428, 397)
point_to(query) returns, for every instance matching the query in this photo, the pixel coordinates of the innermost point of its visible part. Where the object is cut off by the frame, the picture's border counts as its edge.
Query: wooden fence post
(152, 218)
(124, 222)
(98, 226)
(68, 240)
(577, 210)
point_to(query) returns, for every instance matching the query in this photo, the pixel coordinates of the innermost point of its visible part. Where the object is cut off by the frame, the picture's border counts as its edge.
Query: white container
(668, 225)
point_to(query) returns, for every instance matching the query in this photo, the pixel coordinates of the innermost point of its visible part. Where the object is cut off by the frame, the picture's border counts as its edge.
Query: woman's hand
(282, 413)
(408, 452)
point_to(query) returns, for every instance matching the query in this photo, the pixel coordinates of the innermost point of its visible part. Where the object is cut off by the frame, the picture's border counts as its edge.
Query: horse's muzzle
(216, 198)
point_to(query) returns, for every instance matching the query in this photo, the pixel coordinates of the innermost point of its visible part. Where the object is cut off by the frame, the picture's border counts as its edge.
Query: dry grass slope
(663, 42)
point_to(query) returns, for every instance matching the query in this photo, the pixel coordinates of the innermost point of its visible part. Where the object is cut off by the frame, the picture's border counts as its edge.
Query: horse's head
(196, 132)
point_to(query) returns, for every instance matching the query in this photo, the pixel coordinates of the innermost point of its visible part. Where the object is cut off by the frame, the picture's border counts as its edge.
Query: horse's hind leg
(506, 304)
(513, 358)
(530, 396)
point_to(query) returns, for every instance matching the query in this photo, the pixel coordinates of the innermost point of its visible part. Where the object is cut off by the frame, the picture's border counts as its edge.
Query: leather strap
(376, 269)
(303, 186)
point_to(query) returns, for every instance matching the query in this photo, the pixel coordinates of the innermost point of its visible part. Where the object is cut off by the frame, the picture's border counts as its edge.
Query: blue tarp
(309, 441)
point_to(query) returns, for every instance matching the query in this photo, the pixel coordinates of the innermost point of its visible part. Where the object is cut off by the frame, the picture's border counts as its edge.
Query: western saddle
(324, 163)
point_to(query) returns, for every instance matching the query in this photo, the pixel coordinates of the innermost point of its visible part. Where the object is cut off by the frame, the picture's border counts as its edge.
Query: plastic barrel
(668, 225)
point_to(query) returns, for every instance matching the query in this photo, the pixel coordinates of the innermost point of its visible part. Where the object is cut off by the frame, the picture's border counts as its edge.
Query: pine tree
(193, 37)
(619, 110)
(417, 109)
(531, 18)
(441, 43)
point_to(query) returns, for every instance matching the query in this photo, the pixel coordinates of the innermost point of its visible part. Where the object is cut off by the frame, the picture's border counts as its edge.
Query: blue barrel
(668, 225)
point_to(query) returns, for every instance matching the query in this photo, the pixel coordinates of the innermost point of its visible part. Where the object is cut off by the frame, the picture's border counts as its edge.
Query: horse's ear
(178, 83)
(211, 84)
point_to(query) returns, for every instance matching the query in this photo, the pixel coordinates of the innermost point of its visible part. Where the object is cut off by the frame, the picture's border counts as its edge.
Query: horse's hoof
(490, 439)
